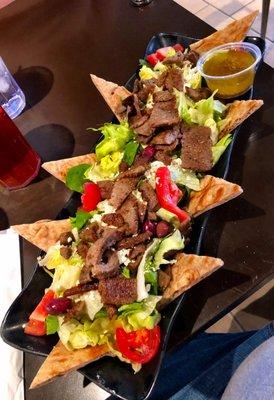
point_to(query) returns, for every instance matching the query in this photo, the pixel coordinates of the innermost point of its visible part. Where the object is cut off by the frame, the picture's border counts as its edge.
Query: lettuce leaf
(115, 138)
(107, 168)
(206, 112)
(220, 147)
(130, 152)
(52, 324)
(76, 177)
(81, 218)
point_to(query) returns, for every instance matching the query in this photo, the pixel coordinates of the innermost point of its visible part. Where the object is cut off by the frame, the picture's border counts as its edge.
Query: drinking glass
(12, 99)
(19, 163)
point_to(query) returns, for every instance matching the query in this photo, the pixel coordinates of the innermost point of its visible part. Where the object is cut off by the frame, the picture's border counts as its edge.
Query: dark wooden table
(52, 46)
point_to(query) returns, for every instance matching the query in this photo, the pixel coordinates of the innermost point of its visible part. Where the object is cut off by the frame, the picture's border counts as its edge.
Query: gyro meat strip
(174, 79)
(105, 188)
(198, 94)
(149, 195)
(111, 310)
(81, 288)
(121, 189)
(118, 290)
(66, 238)
(129, 211)
(164, 113)
(82, 249)
(163, 95)
(136, 251)
(65, 252)
(196, 153)
(180, 59)
(76, 311)
(103, 261)
(137, 120)
(142, 208)
(167, 147)
(163, 156)
(134, 172)
(113, 219)
(128, 243)
(166, 137)
(91, 232)
(145, 129)
(85, 274)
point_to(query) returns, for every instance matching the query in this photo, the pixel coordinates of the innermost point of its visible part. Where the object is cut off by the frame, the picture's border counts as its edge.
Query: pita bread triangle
(214, 192)
(238, 112)
(43, 233)
(187, 272)
(59, 168)
(113, 95)
(234, 32)
(61, 361)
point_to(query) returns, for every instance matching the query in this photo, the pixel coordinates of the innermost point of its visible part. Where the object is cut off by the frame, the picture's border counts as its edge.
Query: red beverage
(19, 163)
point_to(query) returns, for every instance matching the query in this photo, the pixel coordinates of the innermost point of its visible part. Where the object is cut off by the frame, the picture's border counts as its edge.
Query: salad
(121, 260)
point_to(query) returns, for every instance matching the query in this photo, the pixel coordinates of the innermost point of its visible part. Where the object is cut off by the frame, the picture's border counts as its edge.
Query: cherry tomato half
(91, 196)
(40, 312)
(35, 328)
(178, 47)
(138, 346)
(152, 59)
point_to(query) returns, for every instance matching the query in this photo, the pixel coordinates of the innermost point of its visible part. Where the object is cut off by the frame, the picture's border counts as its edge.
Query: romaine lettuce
(115, 138)
(220, 147)
(206, 112)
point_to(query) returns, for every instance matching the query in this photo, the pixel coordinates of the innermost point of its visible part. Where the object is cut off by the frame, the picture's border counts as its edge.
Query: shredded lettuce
(192, 76)
(139, 315)
(207, 112)
(53, 258)
(116, 137)
(93, 302)
(147, 277)
(185, 177)
(110, 163)
(220, 147)
(107, 168)
(147, 73)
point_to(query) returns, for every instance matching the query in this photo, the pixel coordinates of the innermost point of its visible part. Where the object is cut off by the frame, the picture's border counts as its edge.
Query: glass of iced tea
(19, 163)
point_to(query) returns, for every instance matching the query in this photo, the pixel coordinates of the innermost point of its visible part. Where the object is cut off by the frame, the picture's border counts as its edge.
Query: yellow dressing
(226, 63)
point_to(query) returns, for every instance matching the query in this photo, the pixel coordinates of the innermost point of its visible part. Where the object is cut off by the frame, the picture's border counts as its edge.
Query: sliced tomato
(91, 196)
(35, 328)
(178, 47)
(138, 346)
(152, 59)
(162, 53)
(40, 313)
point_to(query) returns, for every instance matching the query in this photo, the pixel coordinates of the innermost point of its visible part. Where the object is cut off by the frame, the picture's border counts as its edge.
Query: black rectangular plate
(109, 373)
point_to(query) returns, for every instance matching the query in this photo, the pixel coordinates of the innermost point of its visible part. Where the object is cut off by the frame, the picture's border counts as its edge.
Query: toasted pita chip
(113, 95)
(234, 32)
(214, 192)
(187, 272)
(59, 168)
(238, 112)
(60, 361)
(43, 233)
